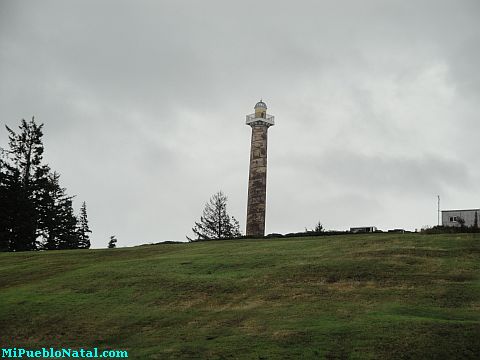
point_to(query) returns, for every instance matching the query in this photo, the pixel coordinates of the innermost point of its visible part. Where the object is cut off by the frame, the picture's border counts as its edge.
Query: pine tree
(17, 214)
(34, 206)
(112, 243)
(83, 228)
(48, 212)
(26, 149)
(68, 237)
(6, 205)
(22, 175)
(58, 224)
(319, 227)
(215, 223)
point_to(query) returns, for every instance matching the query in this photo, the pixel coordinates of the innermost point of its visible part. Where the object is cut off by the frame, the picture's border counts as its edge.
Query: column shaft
(257, 182)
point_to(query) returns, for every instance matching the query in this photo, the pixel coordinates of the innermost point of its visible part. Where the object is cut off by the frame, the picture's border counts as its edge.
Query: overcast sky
(377, 108)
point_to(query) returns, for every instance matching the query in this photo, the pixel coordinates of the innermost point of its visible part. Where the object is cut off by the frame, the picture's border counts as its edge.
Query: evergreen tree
(48, 212)
(26, 149)
(16, 232)
(83, 228)
(6, 205)
(475, 221)
(68, 237)
(112, 243)
(22, 176)
(319, 227)
(57, 222)
(215, 223)
(33, 205)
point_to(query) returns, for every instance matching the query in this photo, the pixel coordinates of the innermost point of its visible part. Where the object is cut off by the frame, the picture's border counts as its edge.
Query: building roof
(260, 104)
(461, 210)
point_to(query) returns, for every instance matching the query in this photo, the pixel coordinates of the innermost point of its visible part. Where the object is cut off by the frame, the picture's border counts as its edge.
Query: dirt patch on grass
(245, 305)
(351, 285)
(419, 252)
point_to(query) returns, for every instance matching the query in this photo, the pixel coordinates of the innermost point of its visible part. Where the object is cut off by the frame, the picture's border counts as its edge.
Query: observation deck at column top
(260, 116)
(253, 119)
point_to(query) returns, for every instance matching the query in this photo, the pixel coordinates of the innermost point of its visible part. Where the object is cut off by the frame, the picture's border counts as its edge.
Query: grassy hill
(378, 296)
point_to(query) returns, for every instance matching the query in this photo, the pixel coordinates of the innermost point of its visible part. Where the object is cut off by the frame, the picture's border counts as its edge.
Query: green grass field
(378, 296)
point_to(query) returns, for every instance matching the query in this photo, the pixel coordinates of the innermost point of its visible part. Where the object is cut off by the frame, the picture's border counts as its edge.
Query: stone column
(257, 181)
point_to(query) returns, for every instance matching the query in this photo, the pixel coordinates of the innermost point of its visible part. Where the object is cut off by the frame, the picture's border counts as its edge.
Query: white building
(455, 217)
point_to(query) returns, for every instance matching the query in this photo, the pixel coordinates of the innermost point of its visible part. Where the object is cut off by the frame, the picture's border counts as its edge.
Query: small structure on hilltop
(460, 218)
(363, 229)
(397, 231)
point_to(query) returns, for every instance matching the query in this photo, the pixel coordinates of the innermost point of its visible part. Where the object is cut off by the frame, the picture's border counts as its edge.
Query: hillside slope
(379, 296)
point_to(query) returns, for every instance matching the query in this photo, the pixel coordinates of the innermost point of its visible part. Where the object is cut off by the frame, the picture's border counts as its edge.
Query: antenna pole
(438, 210)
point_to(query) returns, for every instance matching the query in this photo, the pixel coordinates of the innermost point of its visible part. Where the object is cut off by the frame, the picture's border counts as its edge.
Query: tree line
(36, 213)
